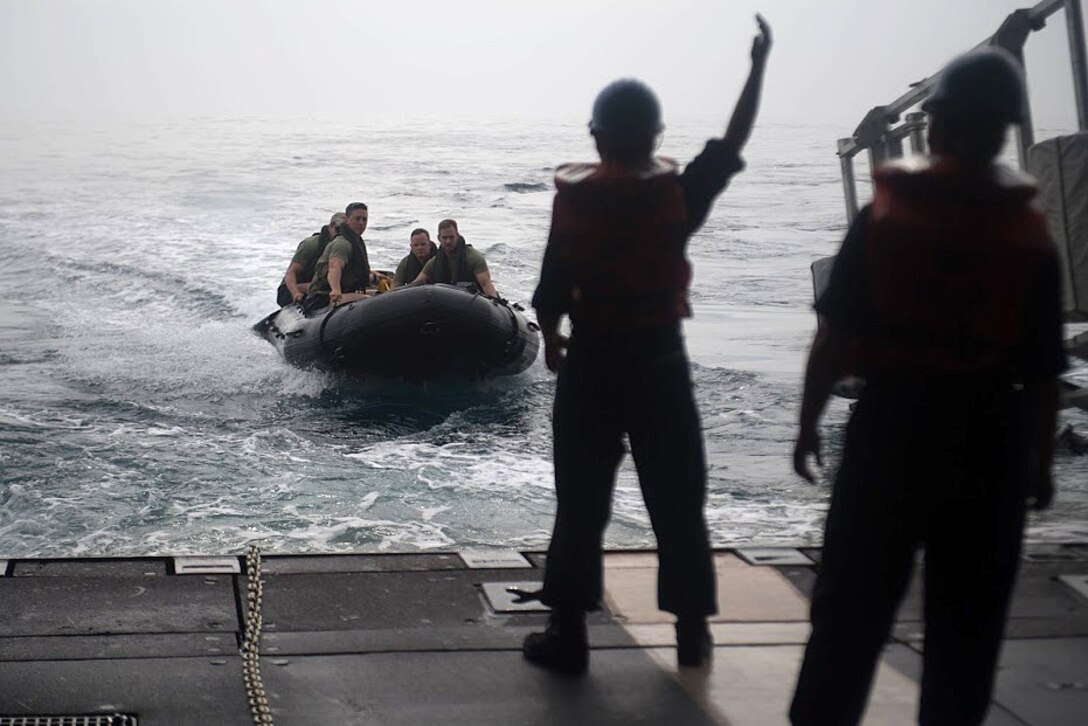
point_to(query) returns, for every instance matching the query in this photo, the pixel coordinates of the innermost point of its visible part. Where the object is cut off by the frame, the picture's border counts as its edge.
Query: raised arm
(744, 115)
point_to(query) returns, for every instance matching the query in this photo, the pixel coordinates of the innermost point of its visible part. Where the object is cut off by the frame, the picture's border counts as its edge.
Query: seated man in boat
(456, 262)
(422, 248)
(343, 271)
(301, 270)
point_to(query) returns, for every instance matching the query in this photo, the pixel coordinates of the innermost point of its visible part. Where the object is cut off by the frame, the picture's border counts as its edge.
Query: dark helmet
(626, 108)
(983, 84)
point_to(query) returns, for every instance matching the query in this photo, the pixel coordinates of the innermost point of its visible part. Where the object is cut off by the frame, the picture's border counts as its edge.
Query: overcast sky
(832, 59)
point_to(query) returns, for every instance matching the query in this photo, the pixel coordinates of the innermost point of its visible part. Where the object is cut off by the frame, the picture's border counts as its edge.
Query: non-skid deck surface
(408, 639)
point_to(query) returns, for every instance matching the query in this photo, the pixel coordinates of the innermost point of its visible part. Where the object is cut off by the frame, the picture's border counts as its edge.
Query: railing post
(893, 147)
(875, 135)
(849, 187)
(872, 134)
(1011, 36)
(917, 123)
(1025, 130)
(1074, 22)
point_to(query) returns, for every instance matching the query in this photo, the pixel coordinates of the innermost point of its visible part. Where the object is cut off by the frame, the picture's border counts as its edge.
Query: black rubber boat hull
(412, 333)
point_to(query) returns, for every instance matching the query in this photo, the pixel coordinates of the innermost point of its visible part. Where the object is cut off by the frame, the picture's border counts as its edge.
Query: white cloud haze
(832, 59)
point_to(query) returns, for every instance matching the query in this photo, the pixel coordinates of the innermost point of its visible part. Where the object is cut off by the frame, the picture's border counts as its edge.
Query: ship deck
(434, 638)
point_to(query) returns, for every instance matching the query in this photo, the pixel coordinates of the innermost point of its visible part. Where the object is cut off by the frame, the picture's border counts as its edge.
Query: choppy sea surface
(141, 415)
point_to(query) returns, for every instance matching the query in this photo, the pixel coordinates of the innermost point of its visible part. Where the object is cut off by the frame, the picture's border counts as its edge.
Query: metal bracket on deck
(1076, 582)
(501, 600)
(1049, 553)
(484, 559)
(776, 556)
(207, 566)
(90, 719)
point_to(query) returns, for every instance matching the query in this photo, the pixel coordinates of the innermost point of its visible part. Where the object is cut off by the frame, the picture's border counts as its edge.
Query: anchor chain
(251, 641)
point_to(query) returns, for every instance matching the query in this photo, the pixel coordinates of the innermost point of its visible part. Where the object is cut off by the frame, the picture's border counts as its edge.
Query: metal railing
(878, 135)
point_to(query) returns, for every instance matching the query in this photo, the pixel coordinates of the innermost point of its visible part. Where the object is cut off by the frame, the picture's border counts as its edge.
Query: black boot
(694, 647)
(563, 646)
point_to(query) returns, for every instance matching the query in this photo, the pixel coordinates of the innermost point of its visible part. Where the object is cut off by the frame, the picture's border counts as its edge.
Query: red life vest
(950, 263)
(620, 234)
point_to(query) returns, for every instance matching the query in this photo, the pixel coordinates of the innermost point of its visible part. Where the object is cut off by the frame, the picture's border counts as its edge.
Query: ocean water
(140, 415)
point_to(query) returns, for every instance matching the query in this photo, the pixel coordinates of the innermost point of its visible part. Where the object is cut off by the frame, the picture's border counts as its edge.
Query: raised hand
(761, 45)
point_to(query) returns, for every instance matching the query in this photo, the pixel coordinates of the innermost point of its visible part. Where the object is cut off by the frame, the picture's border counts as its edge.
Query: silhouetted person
(615, 263)
(301, 269)
(946, 297)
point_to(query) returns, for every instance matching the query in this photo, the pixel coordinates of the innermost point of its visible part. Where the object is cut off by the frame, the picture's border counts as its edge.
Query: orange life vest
(950, 263)
(621, 234)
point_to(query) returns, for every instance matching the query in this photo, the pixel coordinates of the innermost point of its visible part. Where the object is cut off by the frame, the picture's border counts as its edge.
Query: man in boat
(301, 270)
(421, 249)
(456, 262)
(343, 270)
(625, 370)
(946, 298)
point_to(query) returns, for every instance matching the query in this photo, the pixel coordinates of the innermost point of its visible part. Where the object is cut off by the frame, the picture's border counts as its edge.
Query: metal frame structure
(878, 135)
(883, 139)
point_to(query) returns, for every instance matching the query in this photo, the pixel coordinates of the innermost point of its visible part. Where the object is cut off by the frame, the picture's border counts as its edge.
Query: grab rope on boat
(251, 642)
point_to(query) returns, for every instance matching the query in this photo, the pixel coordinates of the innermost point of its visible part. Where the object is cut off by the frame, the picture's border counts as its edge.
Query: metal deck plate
(1050, 553)
(773, 556)
(384, 562)
(206, 566)
(502, 601)
(494, 559)
(89, 567)
(94, 719)
(1077, 582)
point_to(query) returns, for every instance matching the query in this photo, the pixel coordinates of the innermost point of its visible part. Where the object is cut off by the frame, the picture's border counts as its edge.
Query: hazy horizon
(111, 59)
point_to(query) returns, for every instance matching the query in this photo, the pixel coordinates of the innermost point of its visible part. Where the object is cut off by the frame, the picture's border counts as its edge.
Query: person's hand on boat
(761, 45)
(297, 296)
(808, 442)
(335, 297)
(554, 345)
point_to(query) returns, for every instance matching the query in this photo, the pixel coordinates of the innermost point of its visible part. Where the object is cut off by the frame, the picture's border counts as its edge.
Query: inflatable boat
(414, 333)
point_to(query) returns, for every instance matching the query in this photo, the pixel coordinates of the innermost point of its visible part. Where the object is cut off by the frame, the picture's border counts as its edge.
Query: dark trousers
(637, 385)
(918, 471)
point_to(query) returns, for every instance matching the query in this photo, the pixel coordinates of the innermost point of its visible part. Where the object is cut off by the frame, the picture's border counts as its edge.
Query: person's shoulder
(857, 234)
(572, 178)
(721, 145)
(719, 152)
(402, 270)
(309, 242)
(340, 246)
(574, 173)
